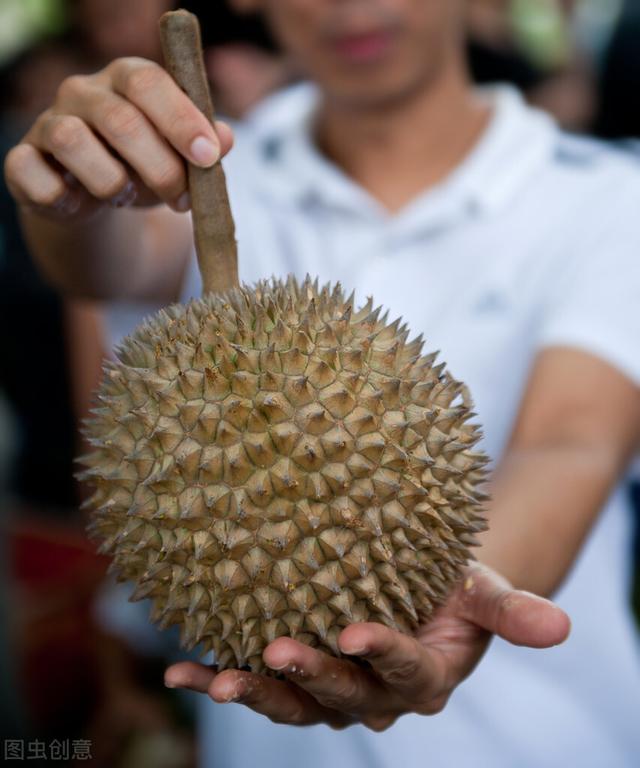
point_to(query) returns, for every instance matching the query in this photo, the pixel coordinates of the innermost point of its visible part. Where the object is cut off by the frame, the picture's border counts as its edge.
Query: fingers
(337, 684)
(151, 124)
(38, 187)
(122, 132)
(519, 617)
(188, 674)
(225, 136)
(530, 620)
(400, 661)
(278, 700)
(153, 91)
(126, 129)
(30, 179)
(74, 145)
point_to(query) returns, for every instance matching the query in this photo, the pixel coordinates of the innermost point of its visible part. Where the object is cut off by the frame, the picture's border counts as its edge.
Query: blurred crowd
(63, 669)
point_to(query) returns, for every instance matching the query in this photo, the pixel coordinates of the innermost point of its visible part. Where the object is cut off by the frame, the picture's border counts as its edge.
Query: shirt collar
(513, 147)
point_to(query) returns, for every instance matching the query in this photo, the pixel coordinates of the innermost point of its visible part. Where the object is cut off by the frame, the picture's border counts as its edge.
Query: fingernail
(285, 666)
(183, 203)
(204, 152)
(125, 197)
(289, 668)
(169, 685)
(358, 651)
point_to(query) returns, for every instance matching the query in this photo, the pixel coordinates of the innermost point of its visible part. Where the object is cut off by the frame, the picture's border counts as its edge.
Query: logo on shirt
(491, 302)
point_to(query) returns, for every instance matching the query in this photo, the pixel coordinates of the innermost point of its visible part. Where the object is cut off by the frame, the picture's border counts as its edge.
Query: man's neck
(399, 151)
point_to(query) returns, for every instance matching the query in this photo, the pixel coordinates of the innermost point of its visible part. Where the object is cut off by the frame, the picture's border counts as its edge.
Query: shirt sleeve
(593, 302)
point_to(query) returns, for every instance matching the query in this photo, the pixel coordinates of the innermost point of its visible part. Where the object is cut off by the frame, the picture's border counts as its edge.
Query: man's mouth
(363, 48)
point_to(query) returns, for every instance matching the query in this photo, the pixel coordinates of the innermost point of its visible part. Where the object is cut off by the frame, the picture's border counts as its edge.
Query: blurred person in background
(39, 488)
(36, 470)
(242, 59)
(27, 84)
(492, 231)
(109, 692)
(534, 45)
(107, 29)
(68, 334)
(619, 111)
(52, 354)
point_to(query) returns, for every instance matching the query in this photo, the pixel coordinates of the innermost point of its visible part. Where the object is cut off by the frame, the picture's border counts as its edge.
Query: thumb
(225, 137)
(522, 618)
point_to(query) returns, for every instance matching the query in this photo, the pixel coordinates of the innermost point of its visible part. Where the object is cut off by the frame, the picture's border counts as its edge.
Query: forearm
(544, 500)
(129, 254)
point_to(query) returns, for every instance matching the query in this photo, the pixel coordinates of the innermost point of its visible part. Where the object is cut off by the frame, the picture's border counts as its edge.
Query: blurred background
(75, 662)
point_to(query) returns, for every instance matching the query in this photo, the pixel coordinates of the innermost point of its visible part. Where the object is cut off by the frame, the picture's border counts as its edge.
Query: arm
(116, 254)
(578, 427)
(111, 140)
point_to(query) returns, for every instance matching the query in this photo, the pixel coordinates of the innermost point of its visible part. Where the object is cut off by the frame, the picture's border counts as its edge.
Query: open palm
(396, 673)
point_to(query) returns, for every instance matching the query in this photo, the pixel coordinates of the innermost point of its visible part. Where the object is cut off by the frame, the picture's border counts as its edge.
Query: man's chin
(369, 96)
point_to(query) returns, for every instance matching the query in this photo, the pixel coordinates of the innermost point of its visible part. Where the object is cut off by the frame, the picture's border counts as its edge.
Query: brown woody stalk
(213, 225)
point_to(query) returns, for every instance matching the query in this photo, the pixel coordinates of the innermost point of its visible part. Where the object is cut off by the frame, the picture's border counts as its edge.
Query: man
(476, 220)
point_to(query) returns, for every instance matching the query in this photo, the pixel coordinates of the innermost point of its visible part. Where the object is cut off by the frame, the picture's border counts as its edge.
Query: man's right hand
(118, 137)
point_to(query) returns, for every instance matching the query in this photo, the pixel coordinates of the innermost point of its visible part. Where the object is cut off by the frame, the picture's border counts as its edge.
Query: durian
(274, 461)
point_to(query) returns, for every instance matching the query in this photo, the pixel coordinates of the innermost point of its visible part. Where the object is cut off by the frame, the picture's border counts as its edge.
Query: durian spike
(213, 226)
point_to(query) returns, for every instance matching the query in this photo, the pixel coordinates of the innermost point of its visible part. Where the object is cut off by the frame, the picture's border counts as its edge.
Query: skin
(580, 418)
(406, 674)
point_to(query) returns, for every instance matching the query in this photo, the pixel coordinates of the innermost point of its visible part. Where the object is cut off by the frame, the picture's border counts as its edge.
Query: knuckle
(123, 121)
(16, 162)
(346, 694)
(20, 180)
(297, 716)
(123, 64)
(349, 690)
(71, 87)
(40, 124)
(181, 120)
(65, 133)
(402, 673)
(379, 723)
(115, 71)
(110, 186)
(142, 77)
(331, 702)
(167, 179)
(433, 707)
(338, 725)
(278, 719)
(293, 717)
(47, 198)
(119, 65)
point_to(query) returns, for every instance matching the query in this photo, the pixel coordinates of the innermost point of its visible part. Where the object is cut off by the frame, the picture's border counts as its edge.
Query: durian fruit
(274, 461)
(271, 462)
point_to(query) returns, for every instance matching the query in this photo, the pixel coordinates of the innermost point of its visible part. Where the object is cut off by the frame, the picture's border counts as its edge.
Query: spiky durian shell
(273, 462)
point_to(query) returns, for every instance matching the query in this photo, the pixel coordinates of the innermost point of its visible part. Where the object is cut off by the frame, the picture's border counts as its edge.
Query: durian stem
(213, 225)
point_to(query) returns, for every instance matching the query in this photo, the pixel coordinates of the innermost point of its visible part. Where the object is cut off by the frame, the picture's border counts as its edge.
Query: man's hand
(111, 140)
(404, 674)
(117, 137)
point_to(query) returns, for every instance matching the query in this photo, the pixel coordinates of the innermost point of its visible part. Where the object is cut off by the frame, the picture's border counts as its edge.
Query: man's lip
(363, 47)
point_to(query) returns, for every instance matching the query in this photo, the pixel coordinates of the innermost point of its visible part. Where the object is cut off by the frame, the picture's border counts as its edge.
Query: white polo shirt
(533, 241)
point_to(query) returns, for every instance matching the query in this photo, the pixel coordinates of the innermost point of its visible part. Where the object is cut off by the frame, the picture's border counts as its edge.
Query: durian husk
(273, 462)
